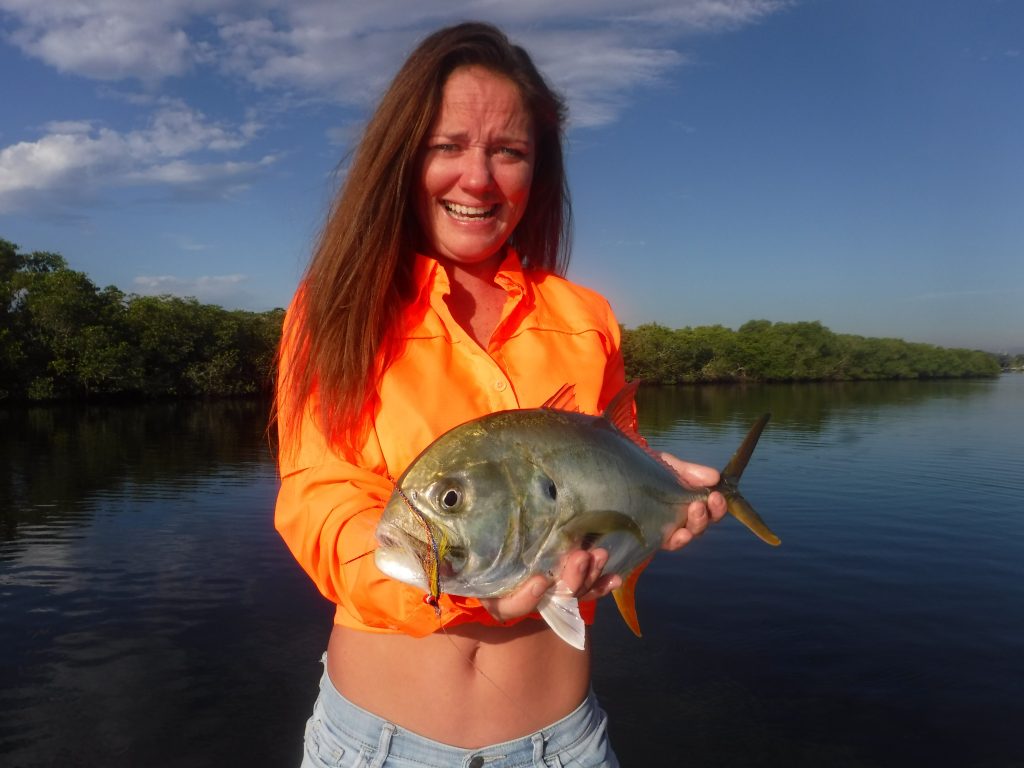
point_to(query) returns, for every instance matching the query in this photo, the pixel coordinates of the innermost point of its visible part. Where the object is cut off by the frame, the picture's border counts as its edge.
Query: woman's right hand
(581, 576)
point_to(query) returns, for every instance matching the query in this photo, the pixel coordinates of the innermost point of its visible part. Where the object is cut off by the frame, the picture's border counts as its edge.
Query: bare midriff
(468, 687)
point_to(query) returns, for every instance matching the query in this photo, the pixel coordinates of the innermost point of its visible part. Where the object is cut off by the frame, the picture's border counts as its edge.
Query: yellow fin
(625, 597)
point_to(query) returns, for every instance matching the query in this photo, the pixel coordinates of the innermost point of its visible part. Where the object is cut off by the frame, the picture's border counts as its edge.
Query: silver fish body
(508, 495)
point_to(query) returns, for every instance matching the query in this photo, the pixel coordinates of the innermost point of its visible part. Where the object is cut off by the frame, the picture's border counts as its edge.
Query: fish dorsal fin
(621, 414)
(563, 400)
(620, 410)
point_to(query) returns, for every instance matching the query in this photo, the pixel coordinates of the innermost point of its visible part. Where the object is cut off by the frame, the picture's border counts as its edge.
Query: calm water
(149, 616)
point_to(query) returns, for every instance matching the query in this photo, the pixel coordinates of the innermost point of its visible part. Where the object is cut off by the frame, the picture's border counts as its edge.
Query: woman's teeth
(468, 212)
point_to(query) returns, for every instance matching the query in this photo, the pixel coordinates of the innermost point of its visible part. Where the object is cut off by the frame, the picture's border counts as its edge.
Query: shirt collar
(431, 279)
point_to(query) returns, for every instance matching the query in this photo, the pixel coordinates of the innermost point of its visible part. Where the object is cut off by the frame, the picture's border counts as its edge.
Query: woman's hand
(581, 576)
(699, 514)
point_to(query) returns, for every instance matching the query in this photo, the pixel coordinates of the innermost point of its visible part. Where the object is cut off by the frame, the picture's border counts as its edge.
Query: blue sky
(855, 162)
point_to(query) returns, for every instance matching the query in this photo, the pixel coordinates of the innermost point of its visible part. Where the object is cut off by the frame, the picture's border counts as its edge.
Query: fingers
(694, 475)
(581, 576)
(521, 602)
(716, 506)
(699, 515)
(696, 523)
(603, 586)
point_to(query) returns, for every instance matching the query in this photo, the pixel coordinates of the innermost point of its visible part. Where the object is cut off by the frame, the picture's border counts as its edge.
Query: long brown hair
(340, 334)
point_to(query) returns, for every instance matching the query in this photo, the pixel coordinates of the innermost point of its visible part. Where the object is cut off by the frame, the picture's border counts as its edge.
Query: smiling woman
(477, 168)
(436, 296)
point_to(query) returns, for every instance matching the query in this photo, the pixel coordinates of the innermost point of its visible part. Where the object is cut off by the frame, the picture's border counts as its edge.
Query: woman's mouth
(468, 212)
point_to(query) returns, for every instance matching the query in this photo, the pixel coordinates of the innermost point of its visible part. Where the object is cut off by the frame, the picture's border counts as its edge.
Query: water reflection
(798, 407)
(150, 615)
(144, 593)
(51, 458)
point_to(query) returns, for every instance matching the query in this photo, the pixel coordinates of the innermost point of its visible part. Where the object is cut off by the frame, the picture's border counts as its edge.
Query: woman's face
(477, 166)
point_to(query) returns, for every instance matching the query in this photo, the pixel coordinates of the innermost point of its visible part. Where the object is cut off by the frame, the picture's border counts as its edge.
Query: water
(149, 615)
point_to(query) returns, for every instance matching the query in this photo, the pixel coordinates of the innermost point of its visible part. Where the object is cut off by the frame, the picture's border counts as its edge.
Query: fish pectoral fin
(590, 526)
(625, 597)
(562, 613)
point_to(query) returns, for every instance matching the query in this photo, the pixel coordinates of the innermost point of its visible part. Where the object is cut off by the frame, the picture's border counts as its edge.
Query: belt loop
(538, 748)
(383, 746)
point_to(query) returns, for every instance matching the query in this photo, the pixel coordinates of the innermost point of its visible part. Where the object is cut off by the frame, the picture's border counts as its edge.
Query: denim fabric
(342, 735)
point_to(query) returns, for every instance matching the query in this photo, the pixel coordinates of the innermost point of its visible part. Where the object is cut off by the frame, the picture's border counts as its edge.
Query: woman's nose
(476, 170)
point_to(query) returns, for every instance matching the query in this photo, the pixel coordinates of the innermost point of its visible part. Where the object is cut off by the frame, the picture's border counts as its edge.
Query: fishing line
(357, 557)
(516, 704)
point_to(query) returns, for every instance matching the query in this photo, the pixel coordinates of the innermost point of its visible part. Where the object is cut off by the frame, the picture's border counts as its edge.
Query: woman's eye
(512, 152)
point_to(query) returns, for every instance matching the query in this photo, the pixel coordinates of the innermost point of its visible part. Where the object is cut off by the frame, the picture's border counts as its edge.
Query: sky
(854, 162)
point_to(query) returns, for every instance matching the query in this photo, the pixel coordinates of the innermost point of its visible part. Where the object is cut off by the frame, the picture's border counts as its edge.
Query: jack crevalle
(508, 495)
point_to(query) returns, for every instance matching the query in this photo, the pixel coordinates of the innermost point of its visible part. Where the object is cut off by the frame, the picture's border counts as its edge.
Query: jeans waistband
(386, 738)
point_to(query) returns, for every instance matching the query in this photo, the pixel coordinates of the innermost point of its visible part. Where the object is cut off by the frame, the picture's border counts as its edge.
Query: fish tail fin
(738, 506)
(734, 469)
(625, 597)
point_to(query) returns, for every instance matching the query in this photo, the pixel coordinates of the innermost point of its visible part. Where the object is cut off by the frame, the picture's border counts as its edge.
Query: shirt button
(500, 385)
(476, 762)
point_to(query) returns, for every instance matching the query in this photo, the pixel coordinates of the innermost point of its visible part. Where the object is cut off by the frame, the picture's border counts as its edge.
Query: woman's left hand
(699, 514)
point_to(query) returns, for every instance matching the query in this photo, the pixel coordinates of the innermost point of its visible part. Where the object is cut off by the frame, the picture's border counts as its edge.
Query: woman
(434, 297)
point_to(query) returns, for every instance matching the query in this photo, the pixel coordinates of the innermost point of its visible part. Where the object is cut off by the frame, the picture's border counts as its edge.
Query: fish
(508, 495)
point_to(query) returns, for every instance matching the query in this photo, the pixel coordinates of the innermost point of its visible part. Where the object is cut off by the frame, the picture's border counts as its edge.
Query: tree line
(63, 337)
(805, 351)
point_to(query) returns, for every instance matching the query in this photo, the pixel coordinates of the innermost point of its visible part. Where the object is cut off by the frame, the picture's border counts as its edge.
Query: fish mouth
(405, 556)
(395, 539)
(402, 556)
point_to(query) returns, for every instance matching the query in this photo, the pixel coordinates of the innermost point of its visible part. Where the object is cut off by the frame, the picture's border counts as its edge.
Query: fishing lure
(436, 550)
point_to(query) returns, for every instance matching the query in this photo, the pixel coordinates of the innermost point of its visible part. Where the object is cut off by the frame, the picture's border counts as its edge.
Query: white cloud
(105, 39)
(597, 52)
(79, 157)
(344, 52)
(591, 49)
(214, 289)
(186, 243)
(706, 15)
(597, 70)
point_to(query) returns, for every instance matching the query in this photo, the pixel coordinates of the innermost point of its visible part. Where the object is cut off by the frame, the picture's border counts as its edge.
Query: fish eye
(546, 487)
(450, 498)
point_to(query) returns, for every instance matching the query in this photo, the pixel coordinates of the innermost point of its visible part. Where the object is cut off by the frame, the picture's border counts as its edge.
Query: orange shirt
(551, 332)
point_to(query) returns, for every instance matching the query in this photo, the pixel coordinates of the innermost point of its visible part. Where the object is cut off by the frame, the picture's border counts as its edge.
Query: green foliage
(764, 351)
(62, 337)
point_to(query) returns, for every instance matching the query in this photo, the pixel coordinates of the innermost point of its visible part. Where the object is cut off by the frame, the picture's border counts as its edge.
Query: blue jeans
(342, 735)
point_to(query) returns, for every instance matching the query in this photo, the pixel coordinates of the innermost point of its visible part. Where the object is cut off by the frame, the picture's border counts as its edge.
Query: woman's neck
(475, 301)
